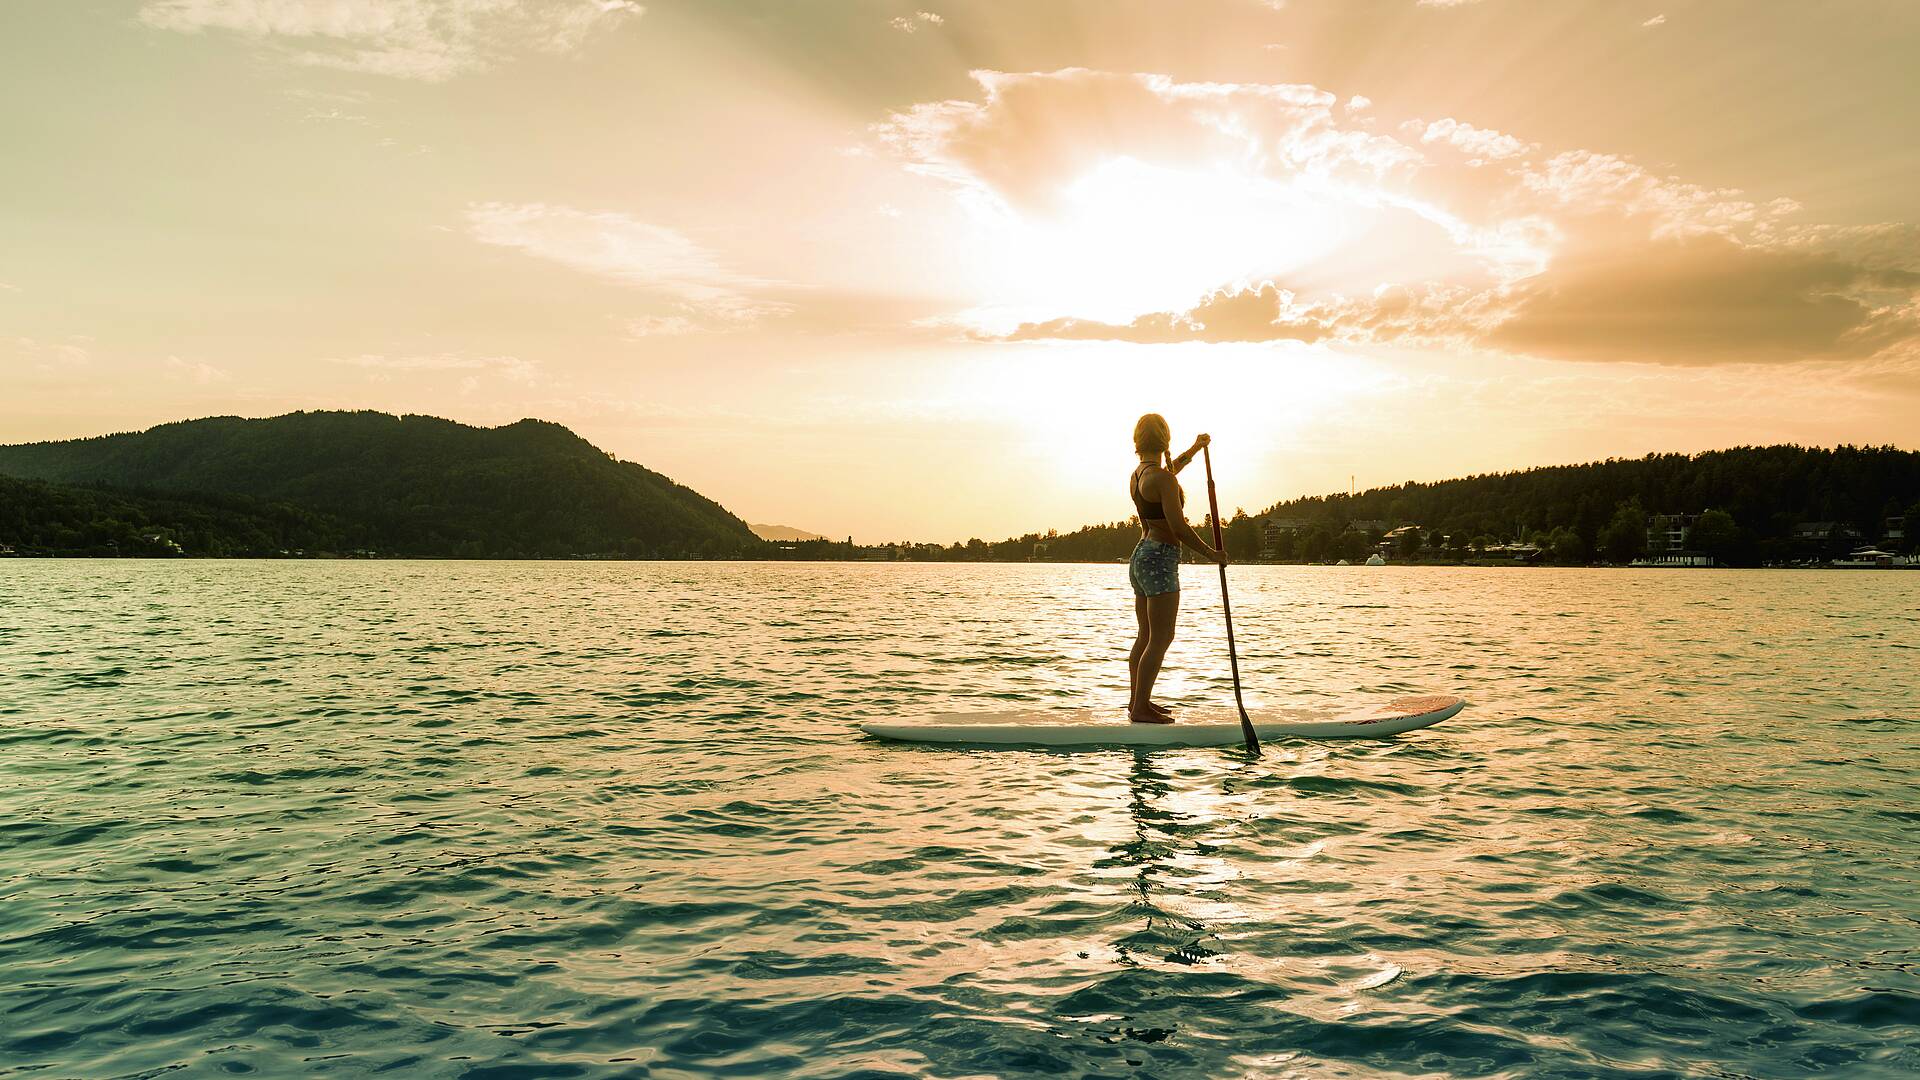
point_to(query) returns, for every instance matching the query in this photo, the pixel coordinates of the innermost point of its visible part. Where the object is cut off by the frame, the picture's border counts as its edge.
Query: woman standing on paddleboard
(1155, 566)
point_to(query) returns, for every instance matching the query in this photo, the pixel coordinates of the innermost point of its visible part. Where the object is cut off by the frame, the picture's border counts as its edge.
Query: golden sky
(910, 272)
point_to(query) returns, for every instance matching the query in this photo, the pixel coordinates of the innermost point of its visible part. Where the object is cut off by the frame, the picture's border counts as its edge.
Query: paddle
(1219, 541)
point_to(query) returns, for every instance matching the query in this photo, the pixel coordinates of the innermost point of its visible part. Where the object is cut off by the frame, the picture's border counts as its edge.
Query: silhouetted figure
(1155, 566)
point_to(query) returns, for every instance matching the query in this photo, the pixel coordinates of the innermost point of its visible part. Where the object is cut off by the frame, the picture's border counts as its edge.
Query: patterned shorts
(1154, 568)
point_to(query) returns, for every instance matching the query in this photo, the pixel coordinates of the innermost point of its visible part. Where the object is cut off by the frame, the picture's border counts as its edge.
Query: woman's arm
(1173, 501)
(1186, 459)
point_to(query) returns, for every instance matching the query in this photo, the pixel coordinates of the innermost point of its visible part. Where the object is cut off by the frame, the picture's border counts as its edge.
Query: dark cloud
(1262, 313)
(1705, 300)
(1267, 312)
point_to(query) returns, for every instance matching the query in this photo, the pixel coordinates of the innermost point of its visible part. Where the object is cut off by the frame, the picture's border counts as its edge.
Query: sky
(897, 272)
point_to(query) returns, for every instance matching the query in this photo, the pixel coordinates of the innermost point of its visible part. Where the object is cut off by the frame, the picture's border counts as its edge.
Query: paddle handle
(1226, 607)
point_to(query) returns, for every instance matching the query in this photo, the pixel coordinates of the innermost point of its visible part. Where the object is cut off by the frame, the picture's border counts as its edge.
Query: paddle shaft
(1233, 657)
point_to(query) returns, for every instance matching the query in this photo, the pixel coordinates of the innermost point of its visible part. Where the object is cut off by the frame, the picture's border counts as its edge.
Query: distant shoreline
(1482, 564)
(368, 484)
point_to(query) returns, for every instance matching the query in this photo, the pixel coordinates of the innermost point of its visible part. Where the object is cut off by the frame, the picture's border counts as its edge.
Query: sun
(1127, 238)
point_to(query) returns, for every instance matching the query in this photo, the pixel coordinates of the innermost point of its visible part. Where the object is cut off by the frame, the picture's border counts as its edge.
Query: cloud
(1687, 301)
(1897, 370)
(1034, 130)
(1480, 143)
(1431, 315)
(54, 357)
(1261, 313)
(382, 368)
(1885, 246)
(1707, 299)
(194, 371)
(430, 40)
(1585, 183)
(661, 326)
(1452, 234)
(1657, 20)
(619, 248)
(912, 23)
(333, 116)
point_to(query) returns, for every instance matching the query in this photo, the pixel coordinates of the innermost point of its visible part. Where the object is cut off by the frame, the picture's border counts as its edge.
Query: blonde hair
(1151, 435)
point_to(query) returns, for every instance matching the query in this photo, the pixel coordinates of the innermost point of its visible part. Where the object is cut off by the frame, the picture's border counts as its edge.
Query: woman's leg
(1163, 611)
(1139, 645)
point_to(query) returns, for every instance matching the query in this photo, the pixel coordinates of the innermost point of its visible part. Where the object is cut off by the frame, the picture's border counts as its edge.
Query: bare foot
(1161, 710)
(1148, 716)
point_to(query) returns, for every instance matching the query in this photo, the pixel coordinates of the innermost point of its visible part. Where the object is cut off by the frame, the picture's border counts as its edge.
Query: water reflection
(559, 818)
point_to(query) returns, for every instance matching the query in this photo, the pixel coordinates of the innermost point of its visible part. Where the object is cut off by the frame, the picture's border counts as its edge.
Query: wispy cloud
(660, 326)
(53, 356)
(1657, 20)
(194, 371)
(620, 248)
(1474, 141)
(333, 116)
(1035, 131)
(912, 23)
(382, 368)
(431, 40)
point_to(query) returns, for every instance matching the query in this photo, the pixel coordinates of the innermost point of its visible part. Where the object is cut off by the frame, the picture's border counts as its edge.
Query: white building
(1669, 532)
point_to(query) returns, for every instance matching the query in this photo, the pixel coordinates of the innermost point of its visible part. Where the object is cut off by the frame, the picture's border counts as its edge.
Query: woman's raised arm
(1174, 465)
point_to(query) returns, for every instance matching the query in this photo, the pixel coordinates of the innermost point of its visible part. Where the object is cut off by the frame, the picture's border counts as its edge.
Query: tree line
(338, 483)
(37, 518)
(1742, 505)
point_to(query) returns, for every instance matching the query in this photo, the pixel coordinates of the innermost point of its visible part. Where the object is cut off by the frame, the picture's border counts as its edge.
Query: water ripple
(599, 820)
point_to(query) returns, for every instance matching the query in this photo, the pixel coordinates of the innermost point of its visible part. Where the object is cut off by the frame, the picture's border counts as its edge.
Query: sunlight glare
(1072, 407)
(1136, 238)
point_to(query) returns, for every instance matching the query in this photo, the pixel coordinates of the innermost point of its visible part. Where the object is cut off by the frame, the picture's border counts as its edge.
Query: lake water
(594, 820)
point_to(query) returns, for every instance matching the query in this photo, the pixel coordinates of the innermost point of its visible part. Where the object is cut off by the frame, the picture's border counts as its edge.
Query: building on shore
(1669, 533)
(1272, 529)
(1391, 539)
(1824, 539)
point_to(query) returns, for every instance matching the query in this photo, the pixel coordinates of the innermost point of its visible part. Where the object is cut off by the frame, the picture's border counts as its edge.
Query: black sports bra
(1148, 511)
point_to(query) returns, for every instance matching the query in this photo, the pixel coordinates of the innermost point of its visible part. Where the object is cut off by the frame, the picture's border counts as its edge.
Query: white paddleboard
(1081, 727)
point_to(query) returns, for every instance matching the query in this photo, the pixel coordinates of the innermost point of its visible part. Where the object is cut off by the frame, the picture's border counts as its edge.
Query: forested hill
(1766, 489)
(1571, 511)
(407, 485)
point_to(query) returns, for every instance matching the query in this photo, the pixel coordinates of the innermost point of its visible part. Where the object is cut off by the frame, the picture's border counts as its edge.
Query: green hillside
(38, 518)
(409, 485)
